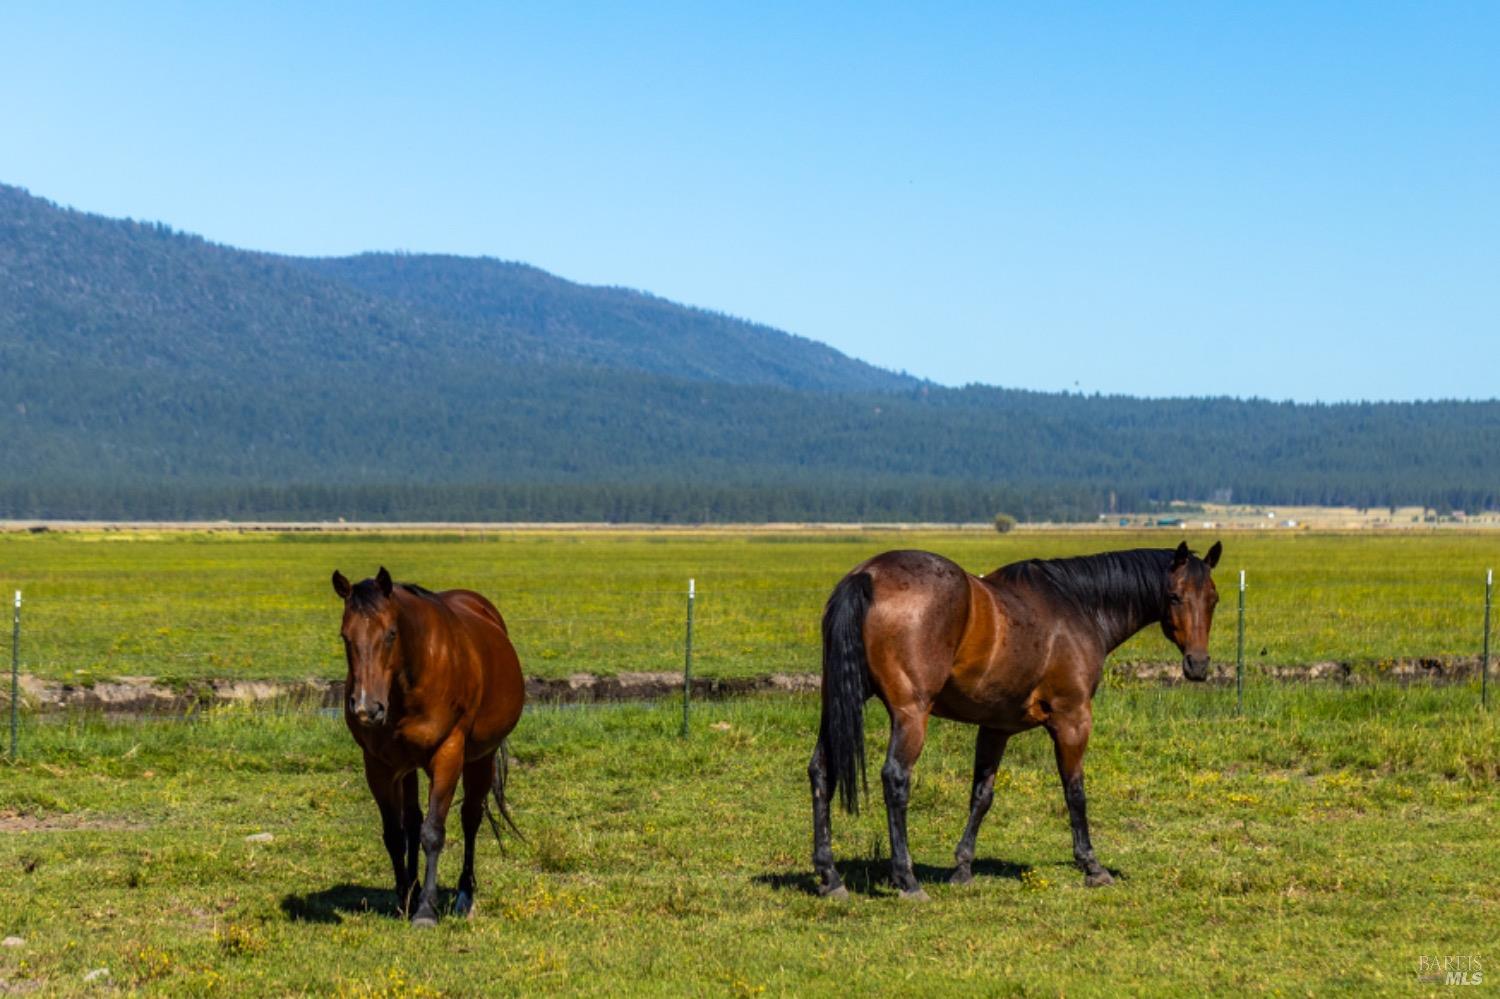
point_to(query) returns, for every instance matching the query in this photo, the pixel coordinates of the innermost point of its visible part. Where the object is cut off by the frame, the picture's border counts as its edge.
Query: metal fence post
(1239, 655)
(687, 662)
(1484, 662)
(15, 673)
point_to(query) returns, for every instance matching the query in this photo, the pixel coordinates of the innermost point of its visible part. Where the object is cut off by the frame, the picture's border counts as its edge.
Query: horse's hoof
(837, 893)
(463, 905)
(914, 895)
(424, 920)
(1098, 879)
(961, 876)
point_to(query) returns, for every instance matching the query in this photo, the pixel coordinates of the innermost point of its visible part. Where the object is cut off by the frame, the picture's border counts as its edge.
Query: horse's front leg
(385, 787)
(1070, 737)
(411, 825)
(444, 770)
(908, 733)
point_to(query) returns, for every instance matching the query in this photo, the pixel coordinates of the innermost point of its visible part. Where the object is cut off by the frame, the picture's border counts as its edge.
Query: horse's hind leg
(478, 777)
(1070, 737)
(821, 778)
(989, 747)
(908, 733)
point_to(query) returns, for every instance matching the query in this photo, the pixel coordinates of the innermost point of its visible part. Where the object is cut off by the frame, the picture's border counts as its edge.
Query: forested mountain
(145, 373)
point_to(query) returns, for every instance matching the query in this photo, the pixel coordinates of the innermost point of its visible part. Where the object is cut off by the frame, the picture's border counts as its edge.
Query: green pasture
(225, 604)
(1327, 841)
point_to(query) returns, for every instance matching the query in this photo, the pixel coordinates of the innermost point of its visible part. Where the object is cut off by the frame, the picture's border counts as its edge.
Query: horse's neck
(1117, 625)
(1119, 616)
(1112, 595)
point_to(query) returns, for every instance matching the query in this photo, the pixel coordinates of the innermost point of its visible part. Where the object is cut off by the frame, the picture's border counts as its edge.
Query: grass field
(1328, 841)
(184, 606)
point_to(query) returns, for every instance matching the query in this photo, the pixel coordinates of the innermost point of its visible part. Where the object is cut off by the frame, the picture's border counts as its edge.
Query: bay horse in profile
(434, 684)
(1019, 648)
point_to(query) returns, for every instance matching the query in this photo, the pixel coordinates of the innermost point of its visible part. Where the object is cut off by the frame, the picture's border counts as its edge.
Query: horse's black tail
(846, 686)
(497, 788)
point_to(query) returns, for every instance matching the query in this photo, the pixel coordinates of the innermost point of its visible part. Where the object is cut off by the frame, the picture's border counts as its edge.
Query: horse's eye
(1176, 599)
(390, 636)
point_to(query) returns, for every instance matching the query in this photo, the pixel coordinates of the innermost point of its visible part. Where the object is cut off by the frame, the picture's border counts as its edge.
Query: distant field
(222, 604)
(1325, 518)
(1329, 840)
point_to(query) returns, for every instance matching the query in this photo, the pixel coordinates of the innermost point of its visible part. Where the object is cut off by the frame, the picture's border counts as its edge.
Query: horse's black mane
(1122, 591)
(366, 595)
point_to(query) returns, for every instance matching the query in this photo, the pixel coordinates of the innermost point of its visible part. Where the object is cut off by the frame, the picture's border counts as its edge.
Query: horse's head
(372, 645)
(1191, 597)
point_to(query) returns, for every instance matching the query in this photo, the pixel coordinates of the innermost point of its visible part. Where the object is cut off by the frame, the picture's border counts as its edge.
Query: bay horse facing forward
(434, 684)
(1020, 648)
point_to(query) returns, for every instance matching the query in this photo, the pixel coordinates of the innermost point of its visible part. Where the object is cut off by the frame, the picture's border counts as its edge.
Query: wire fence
(1295, 626)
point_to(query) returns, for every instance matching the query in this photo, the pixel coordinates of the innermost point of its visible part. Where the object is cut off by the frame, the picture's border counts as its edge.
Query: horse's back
(906, 567)
(476, 604)
(945, 637)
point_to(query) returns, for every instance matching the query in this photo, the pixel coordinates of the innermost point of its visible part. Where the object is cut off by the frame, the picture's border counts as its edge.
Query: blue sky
(1278, 200)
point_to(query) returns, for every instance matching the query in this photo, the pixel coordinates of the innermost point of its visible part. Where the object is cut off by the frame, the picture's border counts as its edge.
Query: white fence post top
(18, 598)
(692, 583)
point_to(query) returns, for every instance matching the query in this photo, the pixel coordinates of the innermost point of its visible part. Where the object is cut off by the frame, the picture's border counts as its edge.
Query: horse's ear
(341, 585)
(1212, 558)
(383, 580)
(1180, 556)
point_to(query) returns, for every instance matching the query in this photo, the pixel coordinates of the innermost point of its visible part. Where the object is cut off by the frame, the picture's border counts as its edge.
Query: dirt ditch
(139, 695)
(148, 695)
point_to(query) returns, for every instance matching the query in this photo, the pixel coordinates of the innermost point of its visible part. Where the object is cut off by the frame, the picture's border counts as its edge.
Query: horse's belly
(990, 693)
(486, 735)
(1006, 715)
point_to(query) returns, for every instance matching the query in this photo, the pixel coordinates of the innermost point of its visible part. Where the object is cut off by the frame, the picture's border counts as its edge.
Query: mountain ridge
(625, 325)
(287, 301)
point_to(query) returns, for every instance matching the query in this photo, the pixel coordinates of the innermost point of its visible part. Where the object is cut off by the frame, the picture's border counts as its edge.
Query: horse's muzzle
(367, 712)
(1195, 668)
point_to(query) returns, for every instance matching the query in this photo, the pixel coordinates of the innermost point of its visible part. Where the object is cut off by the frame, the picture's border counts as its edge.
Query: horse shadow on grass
(331, 905)
(872, 877)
